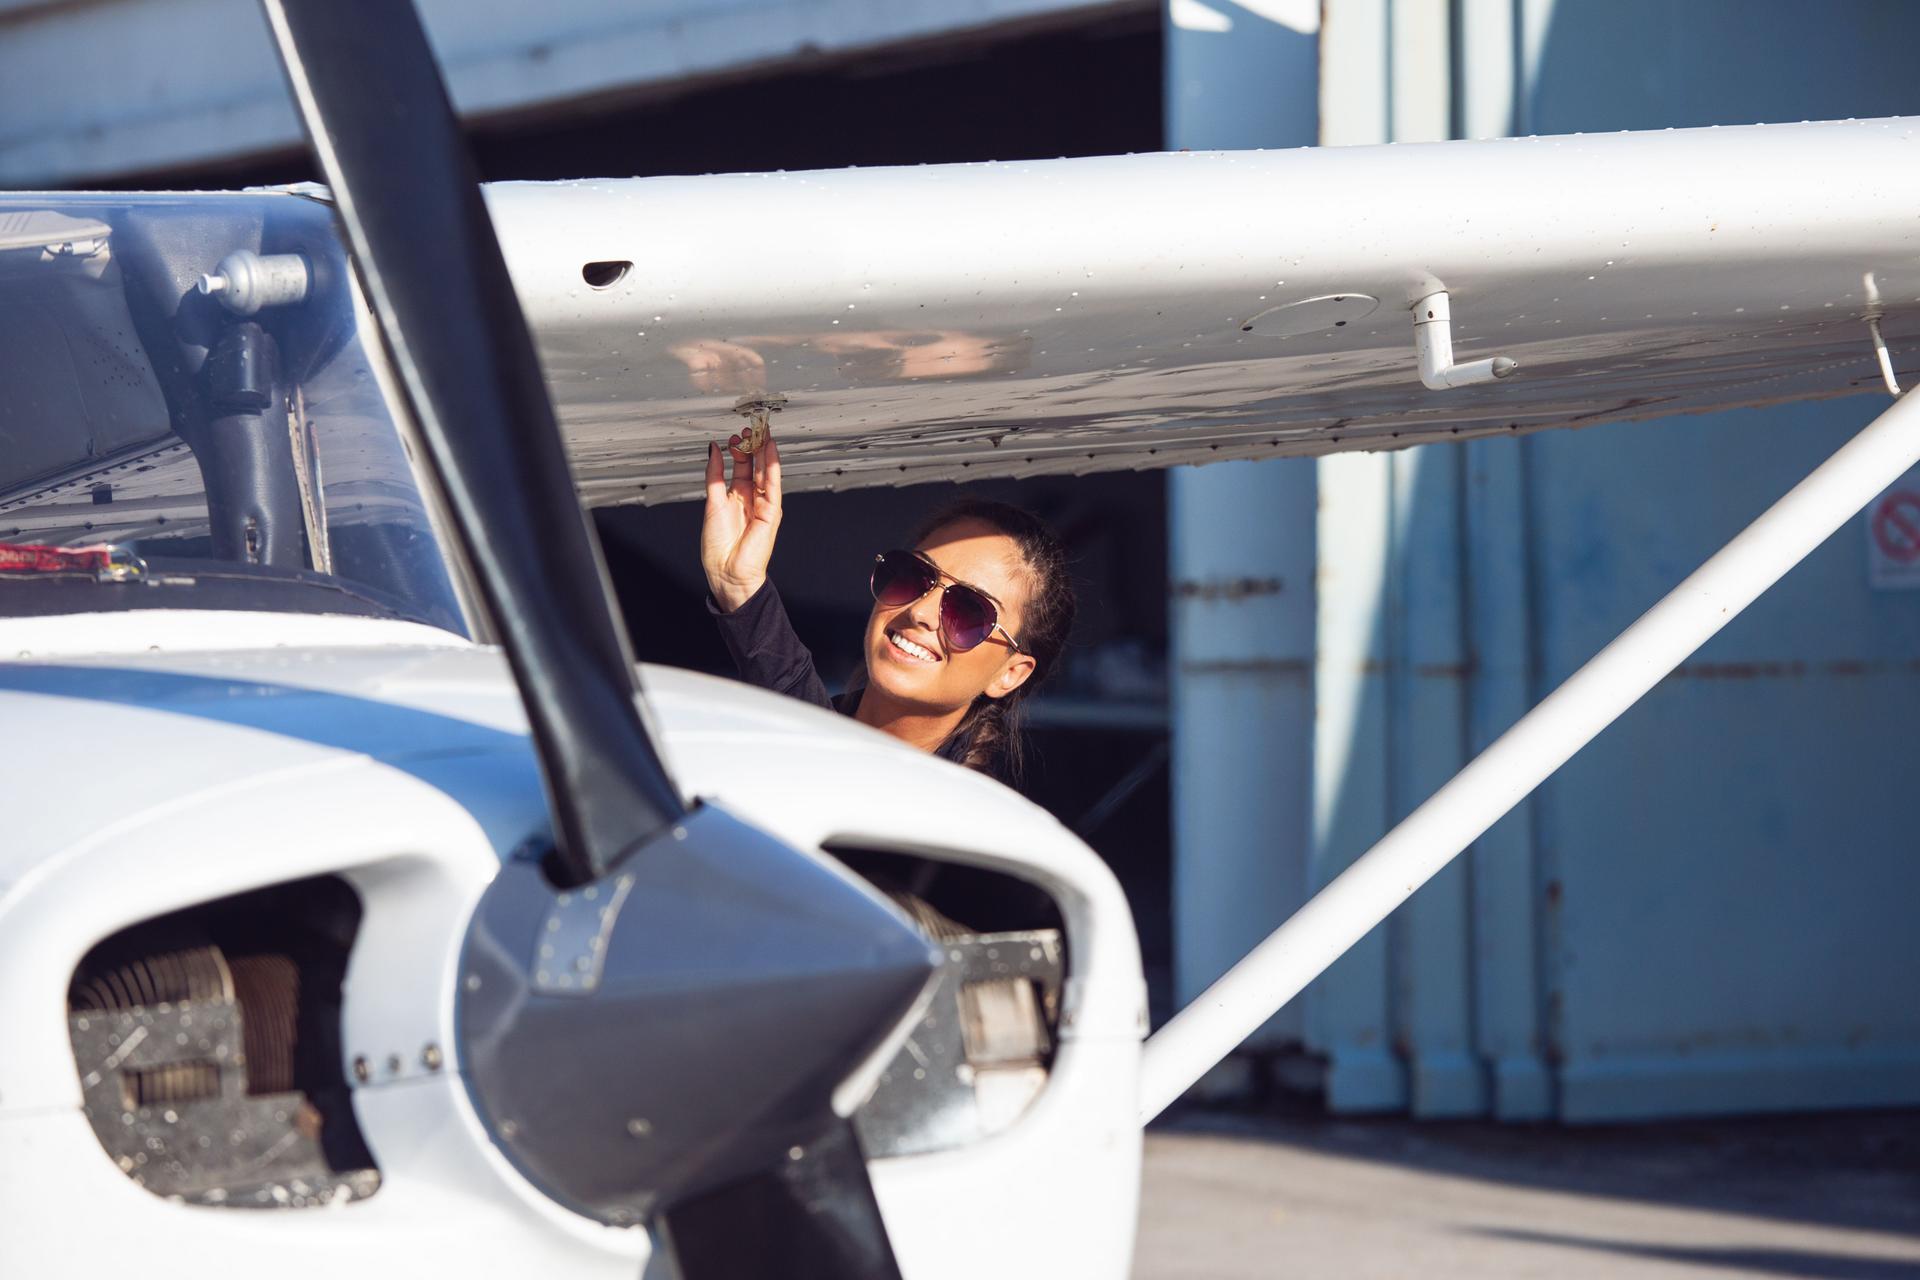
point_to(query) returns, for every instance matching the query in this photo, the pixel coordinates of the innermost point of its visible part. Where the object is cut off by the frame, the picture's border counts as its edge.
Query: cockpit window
(188, 417)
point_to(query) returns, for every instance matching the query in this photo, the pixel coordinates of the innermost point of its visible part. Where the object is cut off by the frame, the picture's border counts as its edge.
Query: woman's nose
(926, 610)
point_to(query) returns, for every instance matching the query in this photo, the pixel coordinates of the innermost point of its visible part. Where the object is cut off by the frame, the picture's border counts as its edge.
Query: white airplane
(364, 910)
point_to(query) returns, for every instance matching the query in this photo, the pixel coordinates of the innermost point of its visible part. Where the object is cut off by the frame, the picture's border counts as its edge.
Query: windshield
(188, 418)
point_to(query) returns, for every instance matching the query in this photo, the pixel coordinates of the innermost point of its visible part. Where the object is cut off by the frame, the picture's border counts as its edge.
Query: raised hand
(743, 515)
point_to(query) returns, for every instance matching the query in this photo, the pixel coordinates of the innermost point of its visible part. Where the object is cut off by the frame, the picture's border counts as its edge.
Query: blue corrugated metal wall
(1709, 909)
(1726, 878)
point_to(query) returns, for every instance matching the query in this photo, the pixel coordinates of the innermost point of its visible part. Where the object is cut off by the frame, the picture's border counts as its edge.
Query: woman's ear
(1016, 673)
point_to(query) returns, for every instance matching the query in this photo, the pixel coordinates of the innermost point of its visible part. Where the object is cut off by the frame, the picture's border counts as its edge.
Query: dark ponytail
(991, 737)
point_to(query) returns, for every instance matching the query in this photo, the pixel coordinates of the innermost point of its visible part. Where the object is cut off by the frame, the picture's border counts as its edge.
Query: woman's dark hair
(990, 737)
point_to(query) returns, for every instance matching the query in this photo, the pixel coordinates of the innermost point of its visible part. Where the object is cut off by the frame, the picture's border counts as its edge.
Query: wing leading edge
(968, 321)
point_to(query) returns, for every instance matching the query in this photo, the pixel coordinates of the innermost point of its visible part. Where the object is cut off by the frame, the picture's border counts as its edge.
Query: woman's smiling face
(908, 659)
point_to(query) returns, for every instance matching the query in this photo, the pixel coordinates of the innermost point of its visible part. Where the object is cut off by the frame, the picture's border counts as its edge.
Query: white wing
(956, 322)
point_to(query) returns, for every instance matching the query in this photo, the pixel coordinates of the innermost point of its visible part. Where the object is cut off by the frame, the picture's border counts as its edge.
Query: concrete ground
(1235, 1197)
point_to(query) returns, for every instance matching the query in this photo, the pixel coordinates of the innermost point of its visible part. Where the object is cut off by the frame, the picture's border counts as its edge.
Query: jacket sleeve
(765, 649)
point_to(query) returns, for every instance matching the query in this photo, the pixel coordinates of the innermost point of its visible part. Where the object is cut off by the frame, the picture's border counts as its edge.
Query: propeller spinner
(683, 1023)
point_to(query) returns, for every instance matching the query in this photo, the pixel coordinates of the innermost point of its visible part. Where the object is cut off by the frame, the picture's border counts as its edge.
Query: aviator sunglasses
(968, 615)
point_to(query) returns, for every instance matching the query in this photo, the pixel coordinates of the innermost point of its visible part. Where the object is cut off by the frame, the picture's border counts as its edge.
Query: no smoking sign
(1893, 539)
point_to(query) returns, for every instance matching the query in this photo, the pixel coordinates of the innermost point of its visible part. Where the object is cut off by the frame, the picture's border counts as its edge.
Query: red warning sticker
(23, 557)
(1893, 540)
(1896, 526)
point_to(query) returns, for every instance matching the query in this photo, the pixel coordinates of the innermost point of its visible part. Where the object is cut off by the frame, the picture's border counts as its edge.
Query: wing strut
(1524, 756)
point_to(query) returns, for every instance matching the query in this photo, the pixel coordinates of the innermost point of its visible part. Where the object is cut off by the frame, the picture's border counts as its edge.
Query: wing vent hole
(604, 275)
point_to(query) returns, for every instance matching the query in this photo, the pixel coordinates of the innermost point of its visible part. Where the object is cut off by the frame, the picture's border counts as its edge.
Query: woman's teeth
(916, 651)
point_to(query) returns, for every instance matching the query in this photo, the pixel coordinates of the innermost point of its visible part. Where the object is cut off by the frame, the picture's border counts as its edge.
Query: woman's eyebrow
(962, 581)
(983, 591)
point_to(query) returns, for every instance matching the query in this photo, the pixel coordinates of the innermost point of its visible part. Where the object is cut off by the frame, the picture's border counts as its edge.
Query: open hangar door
(1093, 87)
(1099, 733)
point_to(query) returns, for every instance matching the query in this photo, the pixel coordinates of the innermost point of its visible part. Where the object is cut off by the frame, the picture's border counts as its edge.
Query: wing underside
(974, 321)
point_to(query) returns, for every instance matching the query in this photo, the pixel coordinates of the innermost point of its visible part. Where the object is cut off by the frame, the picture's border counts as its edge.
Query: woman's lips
(910, 650)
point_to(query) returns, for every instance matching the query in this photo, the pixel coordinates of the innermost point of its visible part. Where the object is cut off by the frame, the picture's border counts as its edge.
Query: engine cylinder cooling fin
(167, 977)
(172, 1083)
(267, 987)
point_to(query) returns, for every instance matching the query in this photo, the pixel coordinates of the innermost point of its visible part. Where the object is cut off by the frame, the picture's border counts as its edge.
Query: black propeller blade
(796, 1220)
(378, 117)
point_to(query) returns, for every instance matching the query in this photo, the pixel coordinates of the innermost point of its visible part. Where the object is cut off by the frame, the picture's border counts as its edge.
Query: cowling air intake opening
(208, 1047)
(982, 1050)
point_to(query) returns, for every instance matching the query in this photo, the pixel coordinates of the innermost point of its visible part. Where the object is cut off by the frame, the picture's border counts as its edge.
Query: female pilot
(966, 621)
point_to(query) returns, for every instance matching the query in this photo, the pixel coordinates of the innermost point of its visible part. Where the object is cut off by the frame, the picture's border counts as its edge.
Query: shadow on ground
(1857, 1170)
(1286, 1190)
(1807, 1263)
